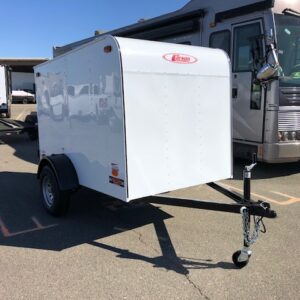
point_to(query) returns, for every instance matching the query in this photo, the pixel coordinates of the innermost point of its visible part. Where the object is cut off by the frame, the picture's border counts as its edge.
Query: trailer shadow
(24, 223)
(25, 148)
(264, 170)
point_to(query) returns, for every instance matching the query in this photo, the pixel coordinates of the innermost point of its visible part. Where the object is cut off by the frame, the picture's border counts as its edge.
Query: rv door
(247, 97)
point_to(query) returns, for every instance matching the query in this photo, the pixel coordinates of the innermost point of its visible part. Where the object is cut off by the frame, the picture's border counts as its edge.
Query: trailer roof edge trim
(80, 46)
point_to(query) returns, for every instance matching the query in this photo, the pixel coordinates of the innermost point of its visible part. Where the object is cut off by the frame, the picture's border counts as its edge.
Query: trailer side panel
(80, 110)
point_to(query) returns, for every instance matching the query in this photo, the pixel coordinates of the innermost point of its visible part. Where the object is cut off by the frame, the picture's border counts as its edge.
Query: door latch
(234, 93)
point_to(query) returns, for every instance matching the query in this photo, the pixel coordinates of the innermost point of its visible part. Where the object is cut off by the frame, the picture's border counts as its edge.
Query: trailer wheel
(54, 200)
(237, 263)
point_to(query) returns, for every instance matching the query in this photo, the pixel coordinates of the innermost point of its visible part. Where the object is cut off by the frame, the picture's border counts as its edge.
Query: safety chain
(258, 224)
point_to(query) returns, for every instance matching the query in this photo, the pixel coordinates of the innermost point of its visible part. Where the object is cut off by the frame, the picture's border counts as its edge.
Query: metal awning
(21, 64)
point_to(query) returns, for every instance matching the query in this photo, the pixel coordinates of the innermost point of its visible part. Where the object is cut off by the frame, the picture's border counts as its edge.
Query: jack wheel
(237, 263)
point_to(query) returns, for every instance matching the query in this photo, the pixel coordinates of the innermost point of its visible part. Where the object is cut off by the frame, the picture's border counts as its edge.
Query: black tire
(239, 264)
(55, 201)
(31, 119)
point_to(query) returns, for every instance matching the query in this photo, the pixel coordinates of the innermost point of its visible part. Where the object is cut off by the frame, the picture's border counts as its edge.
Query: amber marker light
(107, 49)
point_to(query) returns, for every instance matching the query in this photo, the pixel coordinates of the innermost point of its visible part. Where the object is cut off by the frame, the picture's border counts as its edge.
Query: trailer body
(137, 118)
(5, 91)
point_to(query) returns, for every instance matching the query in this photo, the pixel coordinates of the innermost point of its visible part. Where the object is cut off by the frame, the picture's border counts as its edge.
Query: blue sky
(29, 28)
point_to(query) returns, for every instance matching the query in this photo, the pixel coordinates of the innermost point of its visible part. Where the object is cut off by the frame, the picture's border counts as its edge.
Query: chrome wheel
(48, 191)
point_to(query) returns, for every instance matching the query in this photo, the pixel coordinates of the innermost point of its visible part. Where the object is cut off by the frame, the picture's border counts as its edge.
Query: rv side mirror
(270, 37)
(267, 72)
(270, 69)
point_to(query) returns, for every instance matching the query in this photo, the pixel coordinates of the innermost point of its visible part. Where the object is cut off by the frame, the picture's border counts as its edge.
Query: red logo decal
(179, 58)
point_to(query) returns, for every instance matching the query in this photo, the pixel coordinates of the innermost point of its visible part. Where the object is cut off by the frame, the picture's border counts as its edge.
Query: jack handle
(247, 178)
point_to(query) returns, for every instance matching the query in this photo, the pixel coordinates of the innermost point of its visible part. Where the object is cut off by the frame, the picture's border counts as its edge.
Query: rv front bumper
(281, 152)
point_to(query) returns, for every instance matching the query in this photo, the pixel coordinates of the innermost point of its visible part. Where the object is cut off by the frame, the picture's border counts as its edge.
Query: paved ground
(20, 111)
(106, 250)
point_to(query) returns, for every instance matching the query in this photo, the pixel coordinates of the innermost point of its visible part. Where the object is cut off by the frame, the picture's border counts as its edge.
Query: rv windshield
(288, 45)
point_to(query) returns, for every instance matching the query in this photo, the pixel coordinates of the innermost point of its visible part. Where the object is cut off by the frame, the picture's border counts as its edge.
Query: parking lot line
(291, 199)
(37, 223)
(6, 233)
(20, 116)
(4, 229)
(284, 195)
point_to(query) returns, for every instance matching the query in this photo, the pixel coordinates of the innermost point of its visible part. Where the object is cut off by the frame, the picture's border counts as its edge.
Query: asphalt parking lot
(104, 249)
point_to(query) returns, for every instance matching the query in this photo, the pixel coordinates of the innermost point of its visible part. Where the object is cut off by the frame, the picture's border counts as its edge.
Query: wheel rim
(48, 191)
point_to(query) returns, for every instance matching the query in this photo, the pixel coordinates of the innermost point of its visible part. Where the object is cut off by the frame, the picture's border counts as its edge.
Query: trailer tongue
(29, 126)
(133, 119)
(244, 206)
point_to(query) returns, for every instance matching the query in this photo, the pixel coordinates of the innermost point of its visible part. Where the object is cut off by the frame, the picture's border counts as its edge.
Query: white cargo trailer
(141, 118)
(131, 119)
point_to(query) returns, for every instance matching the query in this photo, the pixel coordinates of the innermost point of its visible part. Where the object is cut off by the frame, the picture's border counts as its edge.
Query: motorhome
(262, 39)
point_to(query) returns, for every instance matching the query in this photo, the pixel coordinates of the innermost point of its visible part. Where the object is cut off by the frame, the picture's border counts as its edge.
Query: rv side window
(220, 40)
(256, 96)
(245, 47)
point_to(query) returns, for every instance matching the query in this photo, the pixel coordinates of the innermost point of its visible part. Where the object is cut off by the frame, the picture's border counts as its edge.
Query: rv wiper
(291, 12)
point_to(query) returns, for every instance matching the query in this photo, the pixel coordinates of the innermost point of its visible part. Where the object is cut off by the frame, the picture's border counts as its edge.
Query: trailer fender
(64, 171)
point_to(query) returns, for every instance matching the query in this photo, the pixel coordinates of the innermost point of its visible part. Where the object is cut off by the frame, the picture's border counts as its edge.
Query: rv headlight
(288, 136)
(293, 136)
(285, 136)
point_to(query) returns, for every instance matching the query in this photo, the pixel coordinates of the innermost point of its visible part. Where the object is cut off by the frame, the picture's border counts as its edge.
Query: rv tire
(55, 201)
